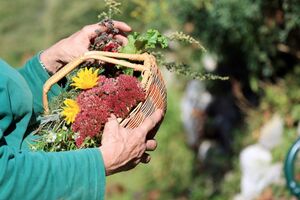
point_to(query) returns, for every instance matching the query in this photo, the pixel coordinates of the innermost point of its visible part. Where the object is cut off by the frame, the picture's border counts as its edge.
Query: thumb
(111, 125)
(112, 117)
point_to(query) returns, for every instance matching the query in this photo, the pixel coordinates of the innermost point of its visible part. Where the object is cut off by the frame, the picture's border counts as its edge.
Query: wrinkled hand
(75, 45)
(122, 148)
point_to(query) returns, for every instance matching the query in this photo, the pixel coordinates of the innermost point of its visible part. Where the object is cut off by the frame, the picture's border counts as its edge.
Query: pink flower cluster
(112, 95)
(111, 47)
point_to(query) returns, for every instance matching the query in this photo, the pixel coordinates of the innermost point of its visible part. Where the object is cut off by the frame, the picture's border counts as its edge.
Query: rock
(258, 172)
(271, 132)
(203, 149)
(209, 62)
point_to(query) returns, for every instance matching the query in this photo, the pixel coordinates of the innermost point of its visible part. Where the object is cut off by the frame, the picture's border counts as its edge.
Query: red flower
(111, 47)
(112, 95)
(79, 141)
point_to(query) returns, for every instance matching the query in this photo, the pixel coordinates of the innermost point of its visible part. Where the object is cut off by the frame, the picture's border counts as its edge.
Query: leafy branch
(183, 69)
(113, 8)
(152, 41)
(180, 36)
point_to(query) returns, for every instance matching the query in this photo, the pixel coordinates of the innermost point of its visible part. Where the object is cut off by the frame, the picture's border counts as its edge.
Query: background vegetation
(255, 42)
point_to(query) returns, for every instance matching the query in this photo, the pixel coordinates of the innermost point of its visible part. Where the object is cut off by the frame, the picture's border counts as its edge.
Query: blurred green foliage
(256, 42)
(257, 31)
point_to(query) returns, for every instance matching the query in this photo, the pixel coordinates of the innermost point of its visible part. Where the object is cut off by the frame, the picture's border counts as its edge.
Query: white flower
(51, 137)
(75, 136)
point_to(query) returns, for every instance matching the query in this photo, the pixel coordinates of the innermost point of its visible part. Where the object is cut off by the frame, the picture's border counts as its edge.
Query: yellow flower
(70, 110)
(85, 79)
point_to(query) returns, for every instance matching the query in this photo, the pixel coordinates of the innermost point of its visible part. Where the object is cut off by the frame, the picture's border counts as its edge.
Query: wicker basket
(152, 82)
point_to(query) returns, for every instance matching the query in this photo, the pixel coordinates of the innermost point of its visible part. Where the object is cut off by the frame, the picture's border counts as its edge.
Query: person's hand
(77, 44)
(122, 148)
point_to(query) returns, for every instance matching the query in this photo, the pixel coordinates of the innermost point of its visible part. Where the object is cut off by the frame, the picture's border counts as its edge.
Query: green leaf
(152, 38)
(128, 71)
(138, 43)
(130, 47)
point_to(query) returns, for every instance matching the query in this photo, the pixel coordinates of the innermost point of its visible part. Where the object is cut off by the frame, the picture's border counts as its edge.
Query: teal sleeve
(39, 175)
(35, 76)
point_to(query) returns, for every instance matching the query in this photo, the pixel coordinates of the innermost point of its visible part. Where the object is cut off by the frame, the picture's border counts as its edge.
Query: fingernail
(148, 159)
(128, 27)
(112, 117)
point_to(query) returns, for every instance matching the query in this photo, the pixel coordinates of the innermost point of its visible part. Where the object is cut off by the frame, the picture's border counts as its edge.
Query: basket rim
(145, 68)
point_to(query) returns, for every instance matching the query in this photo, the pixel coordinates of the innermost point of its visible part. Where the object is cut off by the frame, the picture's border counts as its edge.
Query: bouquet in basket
(110, 79)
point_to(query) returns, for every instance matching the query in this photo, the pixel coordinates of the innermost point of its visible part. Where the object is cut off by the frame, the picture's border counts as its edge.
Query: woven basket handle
(108, 57)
